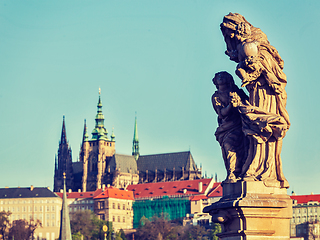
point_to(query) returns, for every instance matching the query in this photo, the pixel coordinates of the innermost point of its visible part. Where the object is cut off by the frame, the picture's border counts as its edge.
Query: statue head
(243, 30)
(223, 78)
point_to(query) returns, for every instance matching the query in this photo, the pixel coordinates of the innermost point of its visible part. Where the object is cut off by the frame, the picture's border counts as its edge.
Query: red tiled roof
(306, 198)
(115, 193)
(216, 191)
(175, 188)
(108, 193)
(198, 197)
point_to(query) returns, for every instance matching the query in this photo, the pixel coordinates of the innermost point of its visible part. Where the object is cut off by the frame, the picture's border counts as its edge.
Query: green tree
(4, 223)
(195, 233)
(22, 229)
(122, 234)
(216, 228)
(81, 222)
(98, 233)
(87, 224)
(76, 236)
(156, 229)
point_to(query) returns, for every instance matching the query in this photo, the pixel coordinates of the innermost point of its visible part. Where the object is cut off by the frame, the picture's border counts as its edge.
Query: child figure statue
(229, 134)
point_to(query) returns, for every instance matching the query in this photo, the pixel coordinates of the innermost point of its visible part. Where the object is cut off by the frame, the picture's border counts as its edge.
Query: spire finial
(65, 228)
(112, 135)
(99, 90)
(135, 146)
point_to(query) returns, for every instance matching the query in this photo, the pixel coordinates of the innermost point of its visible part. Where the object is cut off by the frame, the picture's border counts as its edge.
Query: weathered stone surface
(251, 128)
(250, 132)
(250, 210)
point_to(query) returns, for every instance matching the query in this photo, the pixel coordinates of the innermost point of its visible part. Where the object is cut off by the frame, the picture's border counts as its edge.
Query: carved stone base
(250, 210)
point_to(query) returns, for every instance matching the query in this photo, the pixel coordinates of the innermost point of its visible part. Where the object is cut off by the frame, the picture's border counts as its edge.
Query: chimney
(200, 187)
(79, 190)
(103, 187)
(61, 190)
(108, 185)
(31, 188)
(70, 191)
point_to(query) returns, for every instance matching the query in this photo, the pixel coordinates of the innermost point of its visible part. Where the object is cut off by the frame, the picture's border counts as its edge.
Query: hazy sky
(156, 58)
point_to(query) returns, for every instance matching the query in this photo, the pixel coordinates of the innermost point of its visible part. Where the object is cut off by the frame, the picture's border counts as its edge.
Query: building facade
(33, 204)
(173, 200)
(108, 203)
(305, 216)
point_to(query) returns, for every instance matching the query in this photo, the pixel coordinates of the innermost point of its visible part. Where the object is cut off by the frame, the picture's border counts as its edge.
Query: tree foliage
(22, 229)
(161, 229)
(4, 223)
(86, 224)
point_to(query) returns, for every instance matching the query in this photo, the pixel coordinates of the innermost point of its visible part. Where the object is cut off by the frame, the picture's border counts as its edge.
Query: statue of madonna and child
(251, 128)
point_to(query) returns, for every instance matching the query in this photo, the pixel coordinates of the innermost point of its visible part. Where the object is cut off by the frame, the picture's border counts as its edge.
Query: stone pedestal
(250, 210)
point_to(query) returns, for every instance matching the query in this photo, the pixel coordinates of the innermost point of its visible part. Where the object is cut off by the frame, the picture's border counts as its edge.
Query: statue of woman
(265, 119)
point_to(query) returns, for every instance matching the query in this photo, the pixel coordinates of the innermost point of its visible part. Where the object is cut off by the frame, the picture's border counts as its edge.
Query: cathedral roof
(168, 161)
(30, 192)
(123, 162)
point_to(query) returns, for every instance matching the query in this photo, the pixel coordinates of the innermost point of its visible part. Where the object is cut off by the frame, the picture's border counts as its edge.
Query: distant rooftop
(109, 192)
(304, 199)
(30, 192)
(185, 188)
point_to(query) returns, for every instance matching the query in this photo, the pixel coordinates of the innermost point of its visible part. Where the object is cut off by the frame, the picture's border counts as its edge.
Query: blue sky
(156, 58)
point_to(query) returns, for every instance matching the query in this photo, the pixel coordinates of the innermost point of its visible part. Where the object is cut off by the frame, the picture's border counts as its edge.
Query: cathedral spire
(63, 139)
(99, 132)
(85, 134)
(65, 229)
(63, 161)
(135, 145)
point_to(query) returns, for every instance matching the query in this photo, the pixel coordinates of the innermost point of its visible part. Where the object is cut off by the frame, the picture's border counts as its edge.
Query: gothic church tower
(94, 153)
(63, 162)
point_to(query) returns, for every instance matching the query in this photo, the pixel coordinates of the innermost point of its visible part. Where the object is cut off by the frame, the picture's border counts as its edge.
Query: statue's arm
(219, 108)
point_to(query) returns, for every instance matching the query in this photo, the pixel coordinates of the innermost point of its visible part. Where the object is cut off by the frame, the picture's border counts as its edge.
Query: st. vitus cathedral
(99, 164)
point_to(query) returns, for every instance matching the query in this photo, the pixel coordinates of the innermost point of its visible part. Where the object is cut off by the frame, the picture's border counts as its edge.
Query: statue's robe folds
(264, 131)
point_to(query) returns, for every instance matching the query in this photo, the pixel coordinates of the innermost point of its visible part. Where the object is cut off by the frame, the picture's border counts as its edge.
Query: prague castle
(99, 164)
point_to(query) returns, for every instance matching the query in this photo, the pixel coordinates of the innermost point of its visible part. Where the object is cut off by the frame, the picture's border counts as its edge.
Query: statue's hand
(235, 99)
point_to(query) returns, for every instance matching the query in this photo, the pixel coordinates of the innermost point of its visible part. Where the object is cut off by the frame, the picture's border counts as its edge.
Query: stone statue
(229, 133)
(263, 118)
